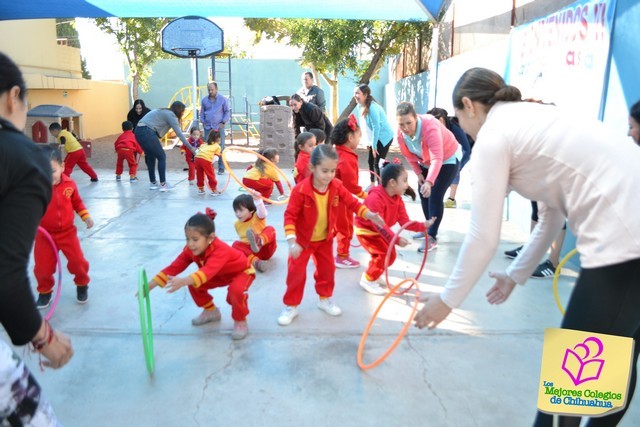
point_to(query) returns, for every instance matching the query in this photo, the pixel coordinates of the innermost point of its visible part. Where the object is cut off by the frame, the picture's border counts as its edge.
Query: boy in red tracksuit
(75, 152)
(346, 137)
(128, 149)
(219, 265)
(309, 223)
(58, 222)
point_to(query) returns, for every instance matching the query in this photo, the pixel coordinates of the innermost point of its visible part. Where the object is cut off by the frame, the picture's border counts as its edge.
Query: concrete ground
(480, 367)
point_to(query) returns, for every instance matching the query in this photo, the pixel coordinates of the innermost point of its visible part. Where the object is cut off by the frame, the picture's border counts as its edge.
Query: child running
(58, 221)
(219, 265)
(128, 149)
(263, 175)
(75, 152)
(194, 141)
(305, 142)
(387, 200)
(257, 239)
(309, 222)
(207, 155)
(346, 137)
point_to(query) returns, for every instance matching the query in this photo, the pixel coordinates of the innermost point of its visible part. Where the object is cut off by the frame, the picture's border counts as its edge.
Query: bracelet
(39, 344)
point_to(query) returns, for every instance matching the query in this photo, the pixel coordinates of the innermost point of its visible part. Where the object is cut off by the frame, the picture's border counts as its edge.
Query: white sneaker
(288, 314)
(153, 186)
(327, 305)
(166, 187)
(373, 287)
(192, 182)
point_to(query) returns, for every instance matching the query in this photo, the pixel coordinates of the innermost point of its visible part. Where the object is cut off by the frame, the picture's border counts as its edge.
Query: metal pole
(194, 90)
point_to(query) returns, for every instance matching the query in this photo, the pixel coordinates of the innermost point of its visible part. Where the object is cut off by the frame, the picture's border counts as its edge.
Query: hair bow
(352, 122)
(397, 161)
(210, 213)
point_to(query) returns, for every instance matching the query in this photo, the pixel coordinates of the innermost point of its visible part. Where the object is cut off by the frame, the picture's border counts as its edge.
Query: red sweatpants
(344, 231)
(191, 164)
(263, 185)
(377, 247)
(322, 255)
(130, 157)
(78, 158)
(45, 260)
(269, 246)
(205, 167)
(237, 293)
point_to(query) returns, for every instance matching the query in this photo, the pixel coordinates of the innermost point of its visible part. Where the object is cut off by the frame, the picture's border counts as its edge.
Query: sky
(106, 62)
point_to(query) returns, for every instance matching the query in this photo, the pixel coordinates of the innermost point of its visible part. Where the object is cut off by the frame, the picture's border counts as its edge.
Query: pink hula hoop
(56, 297)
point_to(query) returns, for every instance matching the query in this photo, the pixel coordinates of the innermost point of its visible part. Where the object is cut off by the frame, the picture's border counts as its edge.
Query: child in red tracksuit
(128, 149)
(305, 142)
(195, 141)
(75, 152)
(58, 221)
(346, 137)
(386, 199)
(219, 265)
(207, 155)
(309, 222)
(262, 175)
(257, 239)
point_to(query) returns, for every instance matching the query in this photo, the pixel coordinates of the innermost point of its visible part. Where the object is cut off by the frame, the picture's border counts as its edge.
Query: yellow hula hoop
(556, 276)
(260, 156)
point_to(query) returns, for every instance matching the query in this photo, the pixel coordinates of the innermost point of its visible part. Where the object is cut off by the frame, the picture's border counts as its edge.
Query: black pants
(374, 162)
(605, 300)
(434, 204)
(153, 152)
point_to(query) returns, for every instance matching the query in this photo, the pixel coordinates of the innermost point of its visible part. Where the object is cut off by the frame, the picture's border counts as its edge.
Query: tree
(138, 40)
(333, 47)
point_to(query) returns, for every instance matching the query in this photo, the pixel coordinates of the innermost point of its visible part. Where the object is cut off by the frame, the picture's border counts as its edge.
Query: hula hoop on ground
(260, 156)
(387, 258)
(145, 320)
(56, 297)
(556, 276)
(401, 335)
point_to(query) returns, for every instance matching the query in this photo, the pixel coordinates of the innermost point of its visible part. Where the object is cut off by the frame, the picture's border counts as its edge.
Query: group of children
(320, 208)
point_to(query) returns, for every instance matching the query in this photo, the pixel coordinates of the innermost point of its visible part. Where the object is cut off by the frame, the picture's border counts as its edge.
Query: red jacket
(301, 213)
(128, 141)
(391, 209)
(301, 170)
(219, 260)
(347, 170)
(65, 200)
(195, 143)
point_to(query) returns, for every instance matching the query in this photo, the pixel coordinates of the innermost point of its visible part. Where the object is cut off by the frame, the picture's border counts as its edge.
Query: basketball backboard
(192, 37)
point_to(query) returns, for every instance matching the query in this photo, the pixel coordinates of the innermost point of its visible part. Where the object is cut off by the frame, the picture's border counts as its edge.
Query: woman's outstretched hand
(501, 289)
(433, 312)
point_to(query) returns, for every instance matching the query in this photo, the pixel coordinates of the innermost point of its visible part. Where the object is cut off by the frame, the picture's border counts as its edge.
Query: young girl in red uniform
(257, 239)
(127, 147)
(262, 176)
(58, 221)
(346, 137)
(195, 141)
(207, 155)
(219, 265)
(387, 200)
(305, 142)
(309, 222)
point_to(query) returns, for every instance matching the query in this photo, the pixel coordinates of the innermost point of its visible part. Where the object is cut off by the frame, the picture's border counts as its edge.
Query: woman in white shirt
(576, 169)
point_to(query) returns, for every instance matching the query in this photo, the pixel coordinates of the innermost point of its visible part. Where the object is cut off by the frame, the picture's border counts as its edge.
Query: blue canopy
(398, 10)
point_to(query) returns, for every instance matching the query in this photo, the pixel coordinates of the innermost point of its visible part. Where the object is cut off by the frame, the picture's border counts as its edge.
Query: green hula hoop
(145, 320)
(556, 276)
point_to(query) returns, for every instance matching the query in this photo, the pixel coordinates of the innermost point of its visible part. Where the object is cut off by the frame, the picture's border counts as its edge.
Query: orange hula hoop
(260, 156)
(392, 244)
(401, 335)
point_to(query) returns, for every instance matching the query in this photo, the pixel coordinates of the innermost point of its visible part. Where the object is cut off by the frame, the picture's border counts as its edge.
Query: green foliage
(66, 29)
(85, 72)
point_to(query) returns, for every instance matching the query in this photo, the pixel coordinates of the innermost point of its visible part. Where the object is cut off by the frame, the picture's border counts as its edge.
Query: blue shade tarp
(400, 10)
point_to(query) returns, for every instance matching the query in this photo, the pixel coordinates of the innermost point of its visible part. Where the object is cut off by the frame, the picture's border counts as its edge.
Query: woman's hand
(425, 189)
(433, 312)
(501, 289)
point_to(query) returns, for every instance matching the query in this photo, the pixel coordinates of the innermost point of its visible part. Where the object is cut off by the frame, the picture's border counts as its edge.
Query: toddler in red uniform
(58, 221)
(195, 141)
(309, 222)
(219, 265)
(346, 137)
(257, 239)
(386, 199)
(262, 176)
(207, 155)
(128, 149)
(305, 142)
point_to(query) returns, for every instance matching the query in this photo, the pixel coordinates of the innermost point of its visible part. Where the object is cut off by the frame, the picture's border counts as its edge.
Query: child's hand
(402, 242)
(294, 249)
(215, 159)
(89, 222)
(176, 283)
(430, 222)
(375, 218)
(254, 193)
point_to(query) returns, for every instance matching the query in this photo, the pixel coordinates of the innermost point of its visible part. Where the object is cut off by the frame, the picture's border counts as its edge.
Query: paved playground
(479, 368)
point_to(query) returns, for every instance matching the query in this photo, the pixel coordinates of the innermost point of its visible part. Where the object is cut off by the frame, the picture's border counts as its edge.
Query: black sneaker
(544, 270)
(44, 301)
(94, 179)
(220, 171)
(82, 294)
(513, 253)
